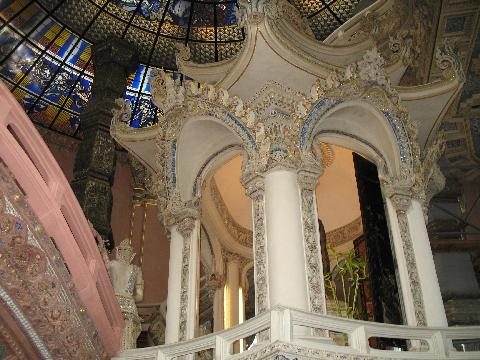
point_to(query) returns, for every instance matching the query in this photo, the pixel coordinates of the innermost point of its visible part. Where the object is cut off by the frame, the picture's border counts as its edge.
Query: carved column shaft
(432, 297)
(255, 191)
(311, 238)
(95, 160)
(415, 262)
(183, 221)
(413, 304)
(189, 229)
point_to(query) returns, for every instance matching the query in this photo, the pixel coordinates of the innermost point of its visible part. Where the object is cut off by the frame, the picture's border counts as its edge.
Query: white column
(421, 297)
(287, 284)
(218, 316)
(190, 279)
(233, 288)
(174, 286)
(182, 300)
(402, 266)
(432, 297)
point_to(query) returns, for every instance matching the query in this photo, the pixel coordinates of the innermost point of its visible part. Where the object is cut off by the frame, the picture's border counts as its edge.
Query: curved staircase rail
(49, 195)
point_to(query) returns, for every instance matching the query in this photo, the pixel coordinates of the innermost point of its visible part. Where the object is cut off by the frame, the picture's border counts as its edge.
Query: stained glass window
(46, 47)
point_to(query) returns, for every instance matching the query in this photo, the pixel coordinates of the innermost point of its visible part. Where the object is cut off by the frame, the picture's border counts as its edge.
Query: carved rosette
(255, 189)
(401, 202)
(307, 179)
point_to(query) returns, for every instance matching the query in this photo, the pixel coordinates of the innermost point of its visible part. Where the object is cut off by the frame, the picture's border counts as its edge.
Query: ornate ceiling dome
(46, 54)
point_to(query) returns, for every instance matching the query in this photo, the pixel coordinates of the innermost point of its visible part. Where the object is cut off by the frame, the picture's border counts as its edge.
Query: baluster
(358, 340)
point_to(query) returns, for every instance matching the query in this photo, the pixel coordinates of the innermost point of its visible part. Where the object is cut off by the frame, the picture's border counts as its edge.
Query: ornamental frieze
(32, 271)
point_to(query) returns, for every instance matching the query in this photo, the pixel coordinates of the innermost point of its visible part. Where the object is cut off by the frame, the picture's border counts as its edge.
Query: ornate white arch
(367, 118)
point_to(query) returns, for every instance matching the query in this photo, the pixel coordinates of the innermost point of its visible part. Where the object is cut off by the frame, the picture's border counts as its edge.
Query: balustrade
(358, 338)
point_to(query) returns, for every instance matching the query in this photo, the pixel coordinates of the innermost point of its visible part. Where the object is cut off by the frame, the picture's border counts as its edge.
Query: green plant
(350, 271)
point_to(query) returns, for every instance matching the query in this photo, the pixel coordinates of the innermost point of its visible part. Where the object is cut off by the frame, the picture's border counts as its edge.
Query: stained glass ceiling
(46, 52)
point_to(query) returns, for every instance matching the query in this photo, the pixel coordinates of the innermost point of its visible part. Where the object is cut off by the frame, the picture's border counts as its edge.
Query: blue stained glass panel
(152, 8)
(129, 5)
(226, 14)
(135, 80)
(179, 11)
(146, 84)
(80, 95)
(149, 9)
(61, 85)
(67, 123)
(8, 40)
(40, 75)
(19, 62)
(46, 32)
(145, 113)
(81, 55)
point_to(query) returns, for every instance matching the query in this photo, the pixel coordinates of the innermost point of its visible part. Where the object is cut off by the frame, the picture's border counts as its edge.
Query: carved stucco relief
(401, 203)
(185, 228)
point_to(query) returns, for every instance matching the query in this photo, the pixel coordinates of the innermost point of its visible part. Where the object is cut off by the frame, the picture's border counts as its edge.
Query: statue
(128, 285)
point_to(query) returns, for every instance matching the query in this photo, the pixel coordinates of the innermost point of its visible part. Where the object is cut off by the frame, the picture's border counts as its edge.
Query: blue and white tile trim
(400, 134)
(22, 320)
(246, 133)
(173, 164)
(324, 104)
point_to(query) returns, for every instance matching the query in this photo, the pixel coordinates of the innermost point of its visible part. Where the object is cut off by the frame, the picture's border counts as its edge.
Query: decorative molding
(401, 201)
(285, 351)
(367, 81)
(313, 254)
(447, 60)
(254, 187)
(33, 272)
(283, 10)
(346, 233)
(9, 342)
(229, 256)
(185, 288)
(214, 282)
(239, 233)
(185, 227)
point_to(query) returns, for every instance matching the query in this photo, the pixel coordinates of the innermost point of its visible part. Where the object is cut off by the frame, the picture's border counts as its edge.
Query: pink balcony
(49, 195)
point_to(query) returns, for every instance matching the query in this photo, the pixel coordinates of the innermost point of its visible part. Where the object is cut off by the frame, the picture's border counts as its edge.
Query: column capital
(401, 202)
(185, 226)
(253, 183)
(400, 195)
(309, 172)
(182, 213)
(229, 257)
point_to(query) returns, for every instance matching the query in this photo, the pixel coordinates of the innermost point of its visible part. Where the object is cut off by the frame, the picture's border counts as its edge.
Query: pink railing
(49, 194)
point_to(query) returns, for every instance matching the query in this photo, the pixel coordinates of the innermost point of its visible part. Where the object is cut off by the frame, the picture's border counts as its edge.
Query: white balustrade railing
(285, 325)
